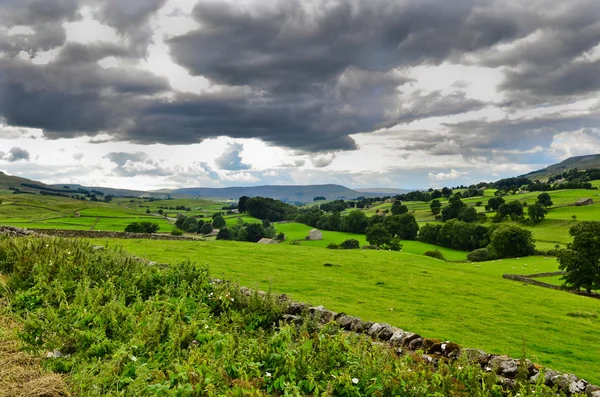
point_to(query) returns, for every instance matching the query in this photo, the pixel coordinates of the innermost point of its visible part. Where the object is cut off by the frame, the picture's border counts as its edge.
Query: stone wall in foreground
(15, 231)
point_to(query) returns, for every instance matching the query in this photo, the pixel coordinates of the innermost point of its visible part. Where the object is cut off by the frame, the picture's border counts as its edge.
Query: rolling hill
(580, 162)
(27, 185)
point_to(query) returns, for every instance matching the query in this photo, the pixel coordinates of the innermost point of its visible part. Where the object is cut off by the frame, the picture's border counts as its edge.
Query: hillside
(113, 191)
(27, 185)
(303, 193)
(382, 191)
(580, 162)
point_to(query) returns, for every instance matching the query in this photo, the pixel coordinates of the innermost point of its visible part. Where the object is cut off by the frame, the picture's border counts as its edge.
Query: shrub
(350, 244)
(206, 228)
(333, 246)
(437, 254)
(370, 247)
(176, 232)
(142, 227)
(509, 241)
(280, 237)
(479, 255)
(224, 234)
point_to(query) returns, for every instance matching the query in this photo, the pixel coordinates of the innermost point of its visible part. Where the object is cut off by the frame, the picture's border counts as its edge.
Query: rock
(397, 338)
(592, 391)
(386, 332)
(327, 316)
(291, 318)
(296, 308)
(432, 346)
(357, 325)
(246, 291)
(345, 321)
(569, 382)
(374, 330)
(54, 354)
(504, 365)
(475, 355)
(414, 344)
(367, 325)
(450, 349)
(549, 376)
(98, 248)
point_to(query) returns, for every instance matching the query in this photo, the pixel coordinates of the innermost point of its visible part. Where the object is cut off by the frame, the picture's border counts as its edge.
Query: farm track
(95, 223)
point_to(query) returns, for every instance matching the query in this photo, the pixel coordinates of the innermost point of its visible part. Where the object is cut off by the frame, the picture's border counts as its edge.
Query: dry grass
(21, 374)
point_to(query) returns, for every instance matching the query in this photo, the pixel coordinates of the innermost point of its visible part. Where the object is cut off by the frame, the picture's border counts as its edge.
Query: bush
(510, 242)
(370, 247)
(437, 254)
(224, 234)
(479, 255)
(206, 228)
(350, 244)
(176, 232)
(142, 227)
(280, 237)
(333, 246)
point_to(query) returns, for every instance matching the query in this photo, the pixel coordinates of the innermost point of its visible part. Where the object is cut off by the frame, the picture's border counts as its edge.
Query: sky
(151, 94)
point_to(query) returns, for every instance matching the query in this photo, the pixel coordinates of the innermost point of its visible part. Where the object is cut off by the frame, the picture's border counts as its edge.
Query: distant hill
(115, 192)
(382, 191)
(303, 193)
(580, 162)
(27, 185)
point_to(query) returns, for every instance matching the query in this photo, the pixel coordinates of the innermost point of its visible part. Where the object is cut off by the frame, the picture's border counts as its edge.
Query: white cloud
(446, 176)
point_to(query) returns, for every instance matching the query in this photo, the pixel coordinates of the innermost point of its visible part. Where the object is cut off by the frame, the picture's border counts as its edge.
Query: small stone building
(76, 214)
(315, 234)
(584, 201)
(267, 241)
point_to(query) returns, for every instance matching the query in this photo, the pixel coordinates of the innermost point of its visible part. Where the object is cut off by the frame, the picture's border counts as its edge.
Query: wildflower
(354, 380)
(268, 374)
(232, 299)
(206, 327)
(133, 358)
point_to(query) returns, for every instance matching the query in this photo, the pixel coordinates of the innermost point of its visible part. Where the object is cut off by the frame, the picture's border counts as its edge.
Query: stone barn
(76, 214)
(584, 201)
(315, 234)
(267, 241)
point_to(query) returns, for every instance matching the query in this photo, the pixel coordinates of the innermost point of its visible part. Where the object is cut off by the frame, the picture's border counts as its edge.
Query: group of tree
(345, 245)
(456, 209)
(267, 208)
(387, 232)
(142, 227)
(575, 175)
(192, 224)
(250, 232)
(499, 241)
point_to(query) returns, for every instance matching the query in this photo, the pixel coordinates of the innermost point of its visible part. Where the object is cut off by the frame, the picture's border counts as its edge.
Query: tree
(452, 210)
(509, 241)
(320, 198)
(403, 226)
(514, 209)
(180, 220)
(446, 192)
(350, 244)
(436, 194)
(467, 214)
(206, 228)
(142, 227)
(254, 232)
(224, 234)
(355, 222)
(190, 225)
(218, 221)
(545, 200)
(398, 208)
(494, 203)
(536, 212)
(378, 235)
(148, 211)
(201, 223)
(242, 204)
(581, 258)
(435, 206)
(429, 233)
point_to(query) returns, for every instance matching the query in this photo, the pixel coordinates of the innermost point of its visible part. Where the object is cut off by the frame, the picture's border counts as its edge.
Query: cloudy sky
(151, 94)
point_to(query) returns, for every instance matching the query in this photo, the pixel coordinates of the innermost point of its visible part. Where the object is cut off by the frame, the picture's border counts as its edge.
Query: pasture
(470, 304)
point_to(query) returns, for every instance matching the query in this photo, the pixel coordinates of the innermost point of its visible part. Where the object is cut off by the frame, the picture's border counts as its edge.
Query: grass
(467, 303)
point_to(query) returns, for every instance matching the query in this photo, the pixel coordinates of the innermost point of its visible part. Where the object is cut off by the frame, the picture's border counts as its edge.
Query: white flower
(133, 358)
(232, 299)
(206, 327)
(268, 374)
(354, 380)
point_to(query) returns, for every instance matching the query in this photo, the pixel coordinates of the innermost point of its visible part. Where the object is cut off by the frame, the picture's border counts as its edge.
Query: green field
(467, 303)
(297, 231)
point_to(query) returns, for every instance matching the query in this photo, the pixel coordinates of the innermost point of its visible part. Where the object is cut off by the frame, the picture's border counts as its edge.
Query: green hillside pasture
(119, 224)
(232, 220)
(583, 213)
(464, 303)
(198, 206)
(298, 231)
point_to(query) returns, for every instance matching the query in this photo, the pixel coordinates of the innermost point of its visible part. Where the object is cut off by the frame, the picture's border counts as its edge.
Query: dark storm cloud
(299, 74)
(45, 17)
(131, 18)
(231, 159)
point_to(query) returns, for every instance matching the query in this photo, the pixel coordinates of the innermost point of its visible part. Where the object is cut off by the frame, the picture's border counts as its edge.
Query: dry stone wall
(17, 232)
(528, 280)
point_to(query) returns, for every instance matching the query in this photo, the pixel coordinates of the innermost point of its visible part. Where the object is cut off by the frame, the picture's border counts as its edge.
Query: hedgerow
(117, 325)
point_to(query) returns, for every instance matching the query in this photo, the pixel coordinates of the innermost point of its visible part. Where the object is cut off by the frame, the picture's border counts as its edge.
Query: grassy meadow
(467, 303)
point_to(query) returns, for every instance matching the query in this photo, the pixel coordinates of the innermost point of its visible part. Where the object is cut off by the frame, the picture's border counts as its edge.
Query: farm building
(584, 201)
(315, 234)
(267, 241)
(214, 233)
(76, 214)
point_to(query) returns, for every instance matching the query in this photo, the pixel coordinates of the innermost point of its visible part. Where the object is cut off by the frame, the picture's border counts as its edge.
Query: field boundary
(527, 279)
(19, 232)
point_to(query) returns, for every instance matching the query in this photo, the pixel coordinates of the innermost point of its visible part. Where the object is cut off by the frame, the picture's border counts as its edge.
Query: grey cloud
(78, 156)
(231, 159)
(138, 163)
(15, 154)
(323, 161)
(131, 18)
